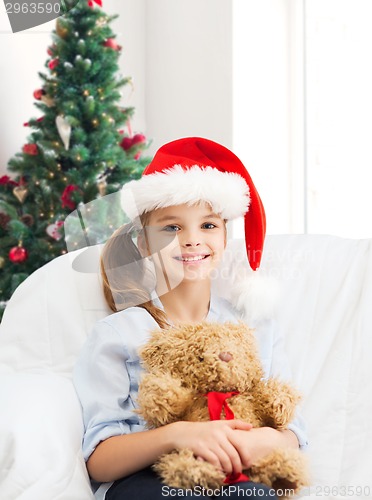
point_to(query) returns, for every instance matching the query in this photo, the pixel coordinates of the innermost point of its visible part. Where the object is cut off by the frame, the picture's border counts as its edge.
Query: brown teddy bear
(190, 368)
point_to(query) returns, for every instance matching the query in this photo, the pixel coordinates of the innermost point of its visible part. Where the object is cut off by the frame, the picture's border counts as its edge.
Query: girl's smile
(192, 258)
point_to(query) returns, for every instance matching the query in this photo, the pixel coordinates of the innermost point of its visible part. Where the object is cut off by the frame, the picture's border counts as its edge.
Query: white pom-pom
(256, 297)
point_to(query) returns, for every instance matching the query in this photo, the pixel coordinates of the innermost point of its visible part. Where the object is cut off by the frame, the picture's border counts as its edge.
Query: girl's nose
(191, 244)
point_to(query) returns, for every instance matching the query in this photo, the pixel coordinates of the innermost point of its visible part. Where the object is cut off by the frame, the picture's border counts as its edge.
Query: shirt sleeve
(103, 386)
(280, 368)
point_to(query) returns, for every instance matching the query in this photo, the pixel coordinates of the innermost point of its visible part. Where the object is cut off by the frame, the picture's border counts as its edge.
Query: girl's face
(185, 242)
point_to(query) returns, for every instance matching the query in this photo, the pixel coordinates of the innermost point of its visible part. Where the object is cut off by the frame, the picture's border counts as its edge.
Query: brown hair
(123, 284)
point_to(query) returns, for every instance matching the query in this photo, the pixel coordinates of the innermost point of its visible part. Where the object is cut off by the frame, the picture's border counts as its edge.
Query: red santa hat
(194, 169)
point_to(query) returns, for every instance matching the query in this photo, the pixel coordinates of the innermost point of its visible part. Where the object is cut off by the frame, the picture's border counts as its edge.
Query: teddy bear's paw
(279, 403)
(162, 399)
(285, 470)
(180, 469)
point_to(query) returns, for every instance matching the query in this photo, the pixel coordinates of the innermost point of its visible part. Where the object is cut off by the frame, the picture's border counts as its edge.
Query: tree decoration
(66, 197)
(49, 101)
(38, 94)
(20, 192)
(5, 180)
(64, 130)
(128, 142)
(51, 50)
(53, 230)
(61, 28)
(30, 149)
(28, 220)
(53, 63)
(112, 44)
(102, 185)
(18, 254)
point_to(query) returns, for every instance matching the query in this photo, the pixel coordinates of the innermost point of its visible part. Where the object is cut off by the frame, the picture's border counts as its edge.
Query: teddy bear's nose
(225, 356)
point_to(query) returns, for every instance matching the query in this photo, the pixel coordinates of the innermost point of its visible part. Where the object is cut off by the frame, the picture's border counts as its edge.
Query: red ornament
(91, 3)
(53, 63)
(138, 139)
(18, 254)
(38, 94)
(66, 199)
(128, 142)
(112, 44)
(5, 180)
(51, 49)
(30, 149)
(26, 124)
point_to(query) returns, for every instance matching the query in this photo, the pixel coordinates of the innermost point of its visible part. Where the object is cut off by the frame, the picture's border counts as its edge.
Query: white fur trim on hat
(227, 193)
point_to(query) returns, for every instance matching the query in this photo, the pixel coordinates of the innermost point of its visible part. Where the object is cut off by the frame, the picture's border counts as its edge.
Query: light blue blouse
(108, 369)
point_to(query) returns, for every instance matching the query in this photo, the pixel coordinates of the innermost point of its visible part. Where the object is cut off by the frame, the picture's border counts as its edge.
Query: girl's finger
(234, 457)
(239, 424)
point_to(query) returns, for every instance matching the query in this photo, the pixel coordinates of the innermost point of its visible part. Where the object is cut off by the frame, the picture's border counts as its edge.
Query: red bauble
(129, 142)
(51, 49)
(138, 139)
(53, 63)
(5, 180)
(30, 149)
(18, 255)
(112, 44)
(126, 143)
(39, 93)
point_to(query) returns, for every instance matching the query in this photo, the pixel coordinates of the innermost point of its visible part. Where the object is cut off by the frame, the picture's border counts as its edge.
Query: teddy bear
(204, 371)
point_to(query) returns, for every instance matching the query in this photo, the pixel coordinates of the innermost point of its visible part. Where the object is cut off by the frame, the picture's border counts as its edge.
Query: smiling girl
(178, 212)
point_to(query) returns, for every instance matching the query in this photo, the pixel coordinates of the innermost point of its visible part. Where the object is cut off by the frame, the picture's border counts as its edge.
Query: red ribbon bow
(216, 403)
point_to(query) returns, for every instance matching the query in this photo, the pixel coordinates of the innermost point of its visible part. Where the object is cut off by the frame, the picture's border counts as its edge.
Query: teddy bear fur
(182, 364)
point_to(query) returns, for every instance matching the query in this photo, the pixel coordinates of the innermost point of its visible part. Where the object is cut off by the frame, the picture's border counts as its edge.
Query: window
(303, 111)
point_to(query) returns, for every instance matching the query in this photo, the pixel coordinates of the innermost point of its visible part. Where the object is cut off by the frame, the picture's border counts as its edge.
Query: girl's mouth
(191, 258)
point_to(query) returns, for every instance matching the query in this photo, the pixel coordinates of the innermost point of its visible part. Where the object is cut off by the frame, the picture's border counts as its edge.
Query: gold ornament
(61, 30)
(2, 262)
(20, 192)
(102, 184)
(49, 101)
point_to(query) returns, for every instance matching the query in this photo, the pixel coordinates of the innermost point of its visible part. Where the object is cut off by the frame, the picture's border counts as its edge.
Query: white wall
(261, 103)
(189, 70)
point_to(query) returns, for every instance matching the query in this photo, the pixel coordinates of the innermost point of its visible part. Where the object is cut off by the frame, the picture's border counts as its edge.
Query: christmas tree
(76, 152)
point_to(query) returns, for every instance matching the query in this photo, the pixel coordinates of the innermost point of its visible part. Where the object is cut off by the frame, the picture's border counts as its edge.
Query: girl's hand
(259, 442)
(212, 442)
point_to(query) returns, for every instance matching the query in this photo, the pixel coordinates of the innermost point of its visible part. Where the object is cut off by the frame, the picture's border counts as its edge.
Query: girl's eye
(171, 228)
(209, 225)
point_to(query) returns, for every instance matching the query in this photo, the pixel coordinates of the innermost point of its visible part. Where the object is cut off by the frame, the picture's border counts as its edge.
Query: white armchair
(324, 310)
